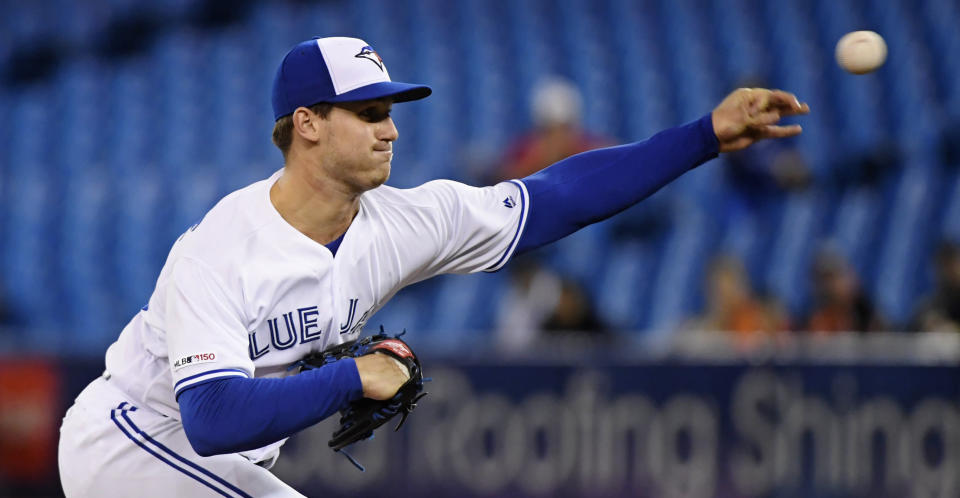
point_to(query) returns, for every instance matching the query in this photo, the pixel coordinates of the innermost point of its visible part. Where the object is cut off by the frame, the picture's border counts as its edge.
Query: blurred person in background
(532, 294)
(841, 305)
(732, 305)
(940, 311)
(542, 304)
(556, 108)
(574, 312)
(540, 299)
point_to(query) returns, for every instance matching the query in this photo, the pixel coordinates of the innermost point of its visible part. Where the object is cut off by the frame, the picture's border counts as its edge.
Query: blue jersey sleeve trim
(524, 199)
(207, 376)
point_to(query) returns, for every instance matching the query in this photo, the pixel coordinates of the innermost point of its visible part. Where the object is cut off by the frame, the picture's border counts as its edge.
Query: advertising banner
(655, 430)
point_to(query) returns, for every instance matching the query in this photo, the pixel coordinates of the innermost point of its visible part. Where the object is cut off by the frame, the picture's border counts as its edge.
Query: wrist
(352, 377)
(708, 130)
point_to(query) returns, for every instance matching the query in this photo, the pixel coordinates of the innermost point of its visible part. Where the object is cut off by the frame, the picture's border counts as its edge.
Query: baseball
(861, 52)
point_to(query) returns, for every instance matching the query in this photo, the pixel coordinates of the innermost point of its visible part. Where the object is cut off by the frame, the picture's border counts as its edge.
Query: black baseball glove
(360, 418)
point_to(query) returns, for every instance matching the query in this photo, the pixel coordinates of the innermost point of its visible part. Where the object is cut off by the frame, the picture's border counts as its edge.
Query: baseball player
(196, 399)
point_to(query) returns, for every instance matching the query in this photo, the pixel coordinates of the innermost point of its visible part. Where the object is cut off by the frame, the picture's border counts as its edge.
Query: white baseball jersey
(244, 294)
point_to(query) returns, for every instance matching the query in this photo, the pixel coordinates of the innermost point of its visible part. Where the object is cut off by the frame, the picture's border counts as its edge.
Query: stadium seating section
(125, 121)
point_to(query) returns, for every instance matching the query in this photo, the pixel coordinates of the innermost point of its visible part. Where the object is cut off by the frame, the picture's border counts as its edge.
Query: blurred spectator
(540, 304)
(556, 108)
(573, 313)
(940, 311)
(732, 306)
(841, 305)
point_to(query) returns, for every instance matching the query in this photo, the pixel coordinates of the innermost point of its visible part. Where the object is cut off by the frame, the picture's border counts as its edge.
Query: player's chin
(379, 175)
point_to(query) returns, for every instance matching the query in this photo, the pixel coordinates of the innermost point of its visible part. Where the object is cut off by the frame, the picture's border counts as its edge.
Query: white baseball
(861, 52)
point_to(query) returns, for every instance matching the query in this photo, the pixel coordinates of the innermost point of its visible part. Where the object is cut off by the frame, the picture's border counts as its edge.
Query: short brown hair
(283, 128)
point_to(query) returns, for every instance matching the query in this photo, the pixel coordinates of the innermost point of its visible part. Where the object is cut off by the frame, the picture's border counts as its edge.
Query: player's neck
(316, 208)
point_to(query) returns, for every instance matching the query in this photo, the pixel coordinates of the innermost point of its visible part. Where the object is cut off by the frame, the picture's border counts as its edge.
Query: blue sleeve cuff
(204, 377)
(709, 140)
(351, 378)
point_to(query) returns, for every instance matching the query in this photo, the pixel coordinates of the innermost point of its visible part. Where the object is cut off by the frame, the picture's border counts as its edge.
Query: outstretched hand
(749, 115)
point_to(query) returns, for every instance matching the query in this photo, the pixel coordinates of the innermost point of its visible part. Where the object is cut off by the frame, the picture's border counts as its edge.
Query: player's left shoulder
(435, 193)
(442, 197)
(506, 194)
(390, 199)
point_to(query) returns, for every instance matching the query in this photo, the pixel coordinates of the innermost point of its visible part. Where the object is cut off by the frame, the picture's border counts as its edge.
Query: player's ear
(306, 124)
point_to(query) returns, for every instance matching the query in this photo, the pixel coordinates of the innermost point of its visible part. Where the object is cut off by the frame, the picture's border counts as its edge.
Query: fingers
(764, 118)
(772, 131)
(787, 103)
(766, 107)
(784, 100)
(801, 108)
(750, 114)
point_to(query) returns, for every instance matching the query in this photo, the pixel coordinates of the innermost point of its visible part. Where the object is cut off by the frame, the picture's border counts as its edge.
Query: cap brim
(400, 92)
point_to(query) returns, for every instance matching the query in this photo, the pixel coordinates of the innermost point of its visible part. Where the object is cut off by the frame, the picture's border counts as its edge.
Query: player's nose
(387, 130)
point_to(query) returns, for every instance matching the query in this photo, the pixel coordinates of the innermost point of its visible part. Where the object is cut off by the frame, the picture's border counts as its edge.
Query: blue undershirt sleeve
(232, 414)
(595, 185)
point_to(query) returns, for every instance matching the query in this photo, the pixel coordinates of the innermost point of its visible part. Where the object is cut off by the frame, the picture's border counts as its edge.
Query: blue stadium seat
(141, 244)
(788, 272)
(675, 281)
(642, 66)
(908, 242)
(858, 212)
(25, 23)
(951, 202)
(625, 283)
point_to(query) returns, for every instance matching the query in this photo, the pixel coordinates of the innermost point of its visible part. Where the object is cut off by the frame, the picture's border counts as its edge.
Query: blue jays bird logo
(368, 53)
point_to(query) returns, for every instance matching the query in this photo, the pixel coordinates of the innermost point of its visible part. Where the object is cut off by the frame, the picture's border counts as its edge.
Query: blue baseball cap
(333, 70)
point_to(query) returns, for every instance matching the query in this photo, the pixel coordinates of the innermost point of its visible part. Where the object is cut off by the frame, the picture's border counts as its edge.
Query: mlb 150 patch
(194, 359)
